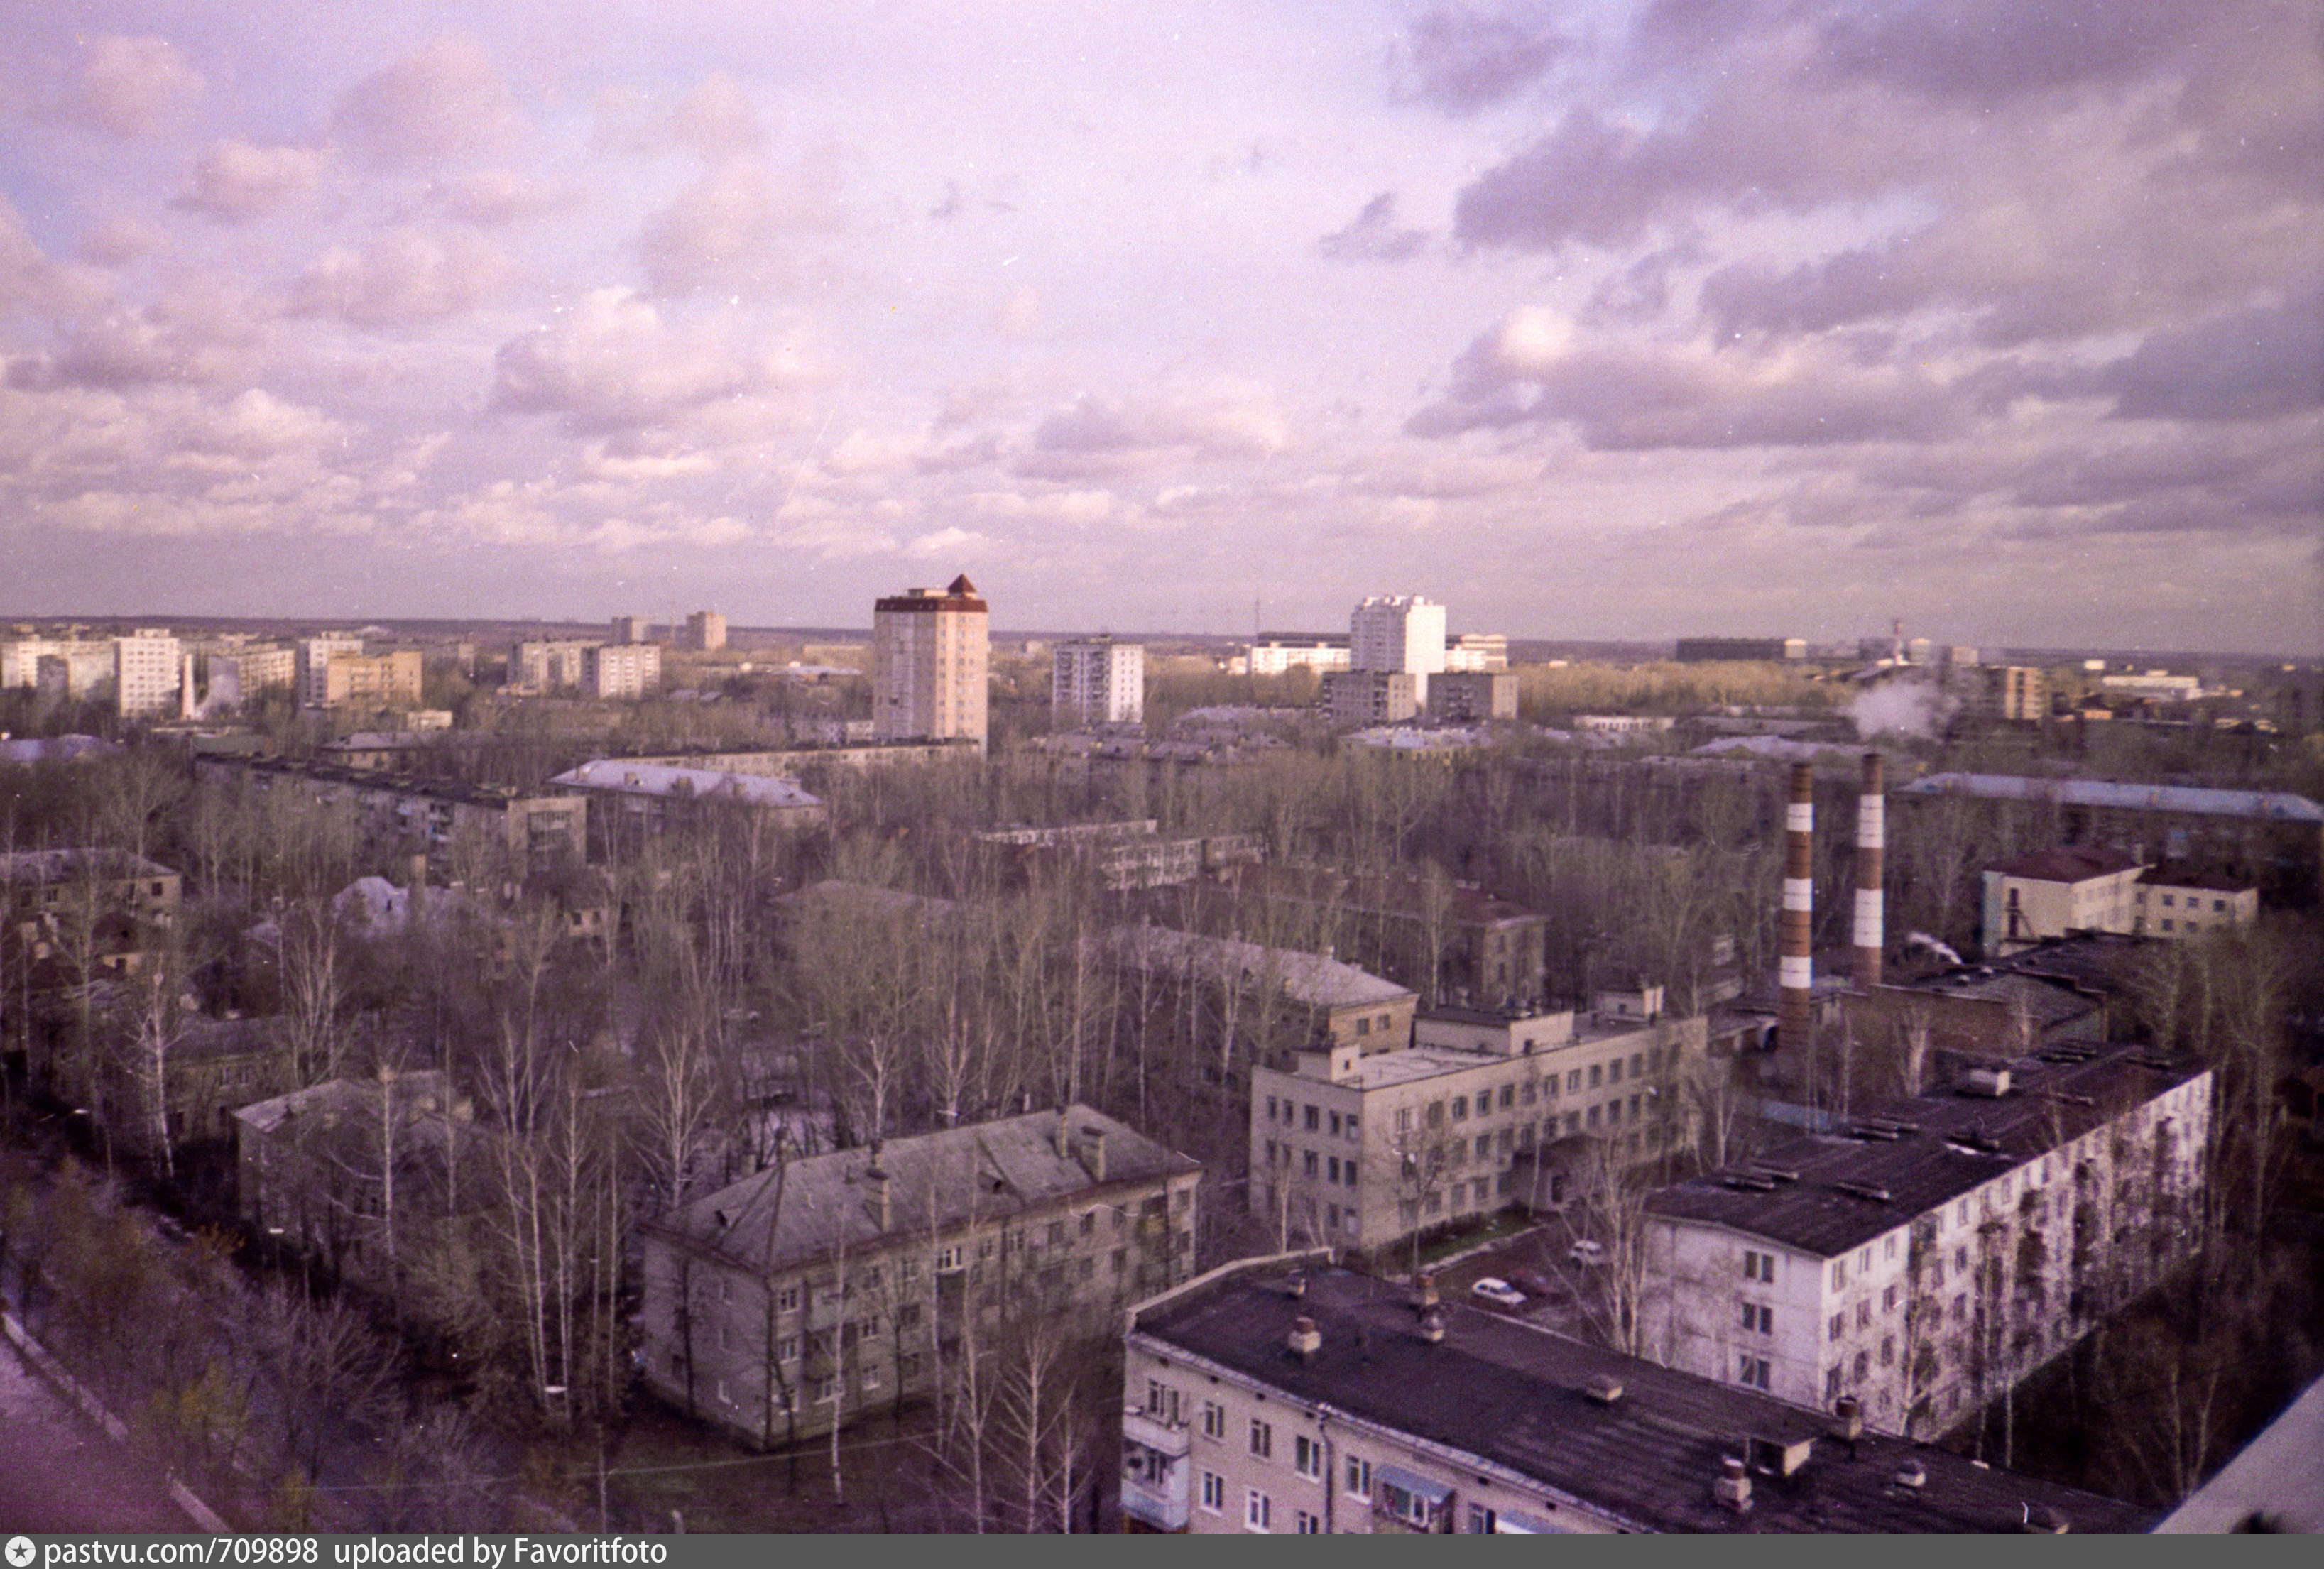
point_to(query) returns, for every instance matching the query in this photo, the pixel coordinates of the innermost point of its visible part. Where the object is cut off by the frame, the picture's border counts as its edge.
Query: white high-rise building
(1399, 633)
(147, 677)
(928, 660)
(1097, 681)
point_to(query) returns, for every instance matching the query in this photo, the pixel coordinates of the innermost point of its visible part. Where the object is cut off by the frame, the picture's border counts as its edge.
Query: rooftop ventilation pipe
(1306, 1339)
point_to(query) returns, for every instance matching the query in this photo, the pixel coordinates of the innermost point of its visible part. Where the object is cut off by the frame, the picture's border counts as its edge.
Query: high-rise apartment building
(1394, 631)
(632, 628)
(621, 670)
(311, 659)
(1097, 681)
(147, 677)
(705, 632)
(929, 656)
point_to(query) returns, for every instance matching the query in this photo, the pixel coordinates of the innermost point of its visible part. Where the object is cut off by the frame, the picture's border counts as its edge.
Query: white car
(1585, 1252)
(1498, 1292)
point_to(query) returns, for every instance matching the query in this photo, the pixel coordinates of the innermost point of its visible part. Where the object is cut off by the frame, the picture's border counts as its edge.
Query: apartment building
(1402, 632)
(1471, 696)
(928, 664)
(630, 801)
(310, 664)
(1476, 651)
(548, 666)
(1241, 1003)
(1921, 1260)
(835, 1287)
(1483, 1110)
(1287, 1395)
(1372, 697)
(149, 680)
(2177, 901)
(1279, 653)
(1448, 940)
(396, 816)
(1097, 681)
(617, 670)
(2088, 888)
(1124, 856)
(705, 632)
(627, 630)
(389, 680)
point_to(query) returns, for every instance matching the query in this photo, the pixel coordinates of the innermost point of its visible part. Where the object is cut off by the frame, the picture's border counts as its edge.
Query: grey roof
(2046, 1005)
(2069, 863)
(2272, 805)
(808, 1209)
(45, 866)
(625, 777)
(1514, 1395)
(1936, 1147)
(1309, 978)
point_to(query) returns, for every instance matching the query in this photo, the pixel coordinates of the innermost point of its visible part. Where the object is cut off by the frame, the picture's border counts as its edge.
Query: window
(1214, 1419)
(787, 1300)
(1531, 1092)
(1262, 1438)
(1839, 1325)
(1404, 1118)
(1270, 1108)
(1593, 1119)
(1315, 1119)
(1759, 1267)
(1597, 1075)
(1348, 1171)
(786, 1348)
(1307, 1457)
(1359, 1477)
(1309, 1164)
(1331, 1170)
(1460, 1108)
(1573, 1121)
(1887, 1351)
(2167, 902)
(1508, 1096)
(1056, 1233)
(1864, 1314)
(869, 1378)
(1436, 1112)
(1258, 1510)
(1484, 1146)
(1364, 1026)
(1889, 1248)
(1637, 1065)
(1838, 1274)
(1614, 1071)
(1753, 1370)
(2219, 905)
(1889, 1300)
(1832, 1383)
(1214, 1492)
(1863, 1365)
(1351, 1126)
(1335, 1124)
(1480, 1520)
(1161, 1401)
(1089, 1222)
(1309, 1525)
(1759, 1320)
(1573, 1082)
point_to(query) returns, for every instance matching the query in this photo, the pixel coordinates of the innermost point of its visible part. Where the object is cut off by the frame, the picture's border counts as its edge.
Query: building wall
(929, 667)
(1275, 658)
(2048, 909)
(618, 670)
(774, 1356)
(1399, 633)
(310, 661)
(389, 679)
(146, 674)
(1363, 697)
(2163, 909)
(1950, 1306)
(1460, 697)
(705, 632)
(1097, 681)
(1337, 1162)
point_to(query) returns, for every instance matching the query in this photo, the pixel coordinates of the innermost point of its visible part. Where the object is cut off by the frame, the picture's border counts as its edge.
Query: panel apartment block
(928, 664)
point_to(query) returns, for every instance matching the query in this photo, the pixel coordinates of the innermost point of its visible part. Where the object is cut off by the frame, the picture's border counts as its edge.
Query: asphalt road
(59, 1473)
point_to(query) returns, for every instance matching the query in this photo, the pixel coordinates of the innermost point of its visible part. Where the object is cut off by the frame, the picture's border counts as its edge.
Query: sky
(2005, 318)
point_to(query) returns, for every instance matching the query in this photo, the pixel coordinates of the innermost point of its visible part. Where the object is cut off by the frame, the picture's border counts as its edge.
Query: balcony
(1154, 1471)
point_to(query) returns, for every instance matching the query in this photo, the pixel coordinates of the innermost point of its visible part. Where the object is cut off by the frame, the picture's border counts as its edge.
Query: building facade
(2172, 901)
(1284, 1395)
(1925, 1259)
(616, 670)
(1467, 697)
(1697, 650)
(399, 817)
(545, 667)
(1281, 653)
(1481, 1111)
(1097, 681)
(705, 632)
(929, 653)
(389, 680)
(310, 664)
(148, 678)
(837, 1287)
(2051, 892)
(1404, 632)
(1371, 697)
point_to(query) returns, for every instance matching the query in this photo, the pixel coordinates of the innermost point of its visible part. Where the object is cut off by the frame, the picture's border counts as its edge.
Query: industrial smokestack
(1796, 967)
(1871, 842)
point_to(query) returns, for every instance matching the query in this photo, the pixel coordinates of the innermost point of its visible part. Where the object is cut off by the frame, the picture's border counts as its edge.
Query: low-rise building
(1279, 653)
(1922, 1259)
(2172, 902)
(632, 801)
(2086, 888)
(1694, 650)
(1287, 1395)
(835, 1285)
(1126, 856)
(1484, 1110)
(1477, 650)
(1469, 696)
(1372, 697)
(389, 680)
(396, 815)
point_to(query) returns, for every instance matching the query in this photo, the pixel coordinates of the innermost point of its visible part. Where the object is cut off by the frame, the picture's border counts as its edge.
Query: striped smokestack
(1871, 841)
(1796, 967)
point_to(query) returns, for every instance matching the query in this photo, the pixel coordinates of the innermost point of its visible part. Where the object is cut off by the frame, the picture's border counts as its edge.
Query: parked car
(1534, 1284)
(1498, 1292)
(1585, 1252)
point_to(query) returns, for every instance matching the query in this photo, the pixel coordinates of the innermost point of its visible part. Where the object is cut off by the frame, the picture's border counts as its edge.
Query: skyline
(1593, 322)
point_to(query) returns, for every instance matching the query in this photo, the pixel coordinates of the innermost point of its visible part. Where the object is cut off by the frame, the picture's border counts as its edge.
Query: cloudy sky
(1589, 320)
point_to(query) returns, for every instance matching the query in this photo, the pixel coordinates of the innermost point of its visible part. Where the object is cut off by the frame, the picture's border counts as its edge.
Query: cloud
(735, 229)
(491, 199)
(1462, 61)
(403, 278)
(1227, 418)
(716, 120)
(133, 86)
(32, 283)
(2254, 364)
(613, 364)
(118, 241)
(1373, 237)
(234, 182)
(948, 541)
(439, 102)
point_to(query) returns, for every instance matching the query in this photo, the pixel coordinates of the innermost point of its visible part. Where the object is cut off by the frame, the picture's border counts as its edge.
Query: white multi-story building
(929, 652)
(1276, 656)
(1483, 1110)
(1478, 650)
(621, 670)
(1097, 681)
(2081, 887)
(1284, 1395)
(1399, 633)
(1923, 1259)
(311, 659)
(148, 673)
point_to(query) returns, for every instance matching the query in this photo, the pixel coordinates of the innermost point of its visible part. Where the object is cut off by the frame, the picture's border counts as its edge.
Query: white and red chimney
(1796, 968)
(1871, 842)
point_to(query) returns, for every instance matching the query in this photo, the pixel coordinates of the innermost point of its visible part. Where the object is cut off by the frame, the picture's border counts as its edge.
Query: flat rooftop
(1517, 1396)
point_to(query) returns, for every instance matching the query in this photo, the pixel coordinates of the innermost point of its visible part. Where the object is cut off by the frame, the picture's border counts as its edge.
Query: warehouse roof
(2273, 805)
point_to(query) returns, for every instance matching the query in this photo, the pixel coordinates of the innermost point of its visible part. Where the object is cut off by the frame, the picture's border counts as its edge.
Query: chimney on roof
(883, 1208)
(1848, 1419)
(1732, 1486)
(1871, 841)
(1604, 1389)
(1306, 1339)
(1796, 965)
(1092, 1152)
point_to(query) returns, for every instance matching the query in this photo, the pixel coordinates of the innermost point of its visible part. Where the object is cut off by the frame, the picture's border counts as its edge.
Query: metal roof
(1517, 1397)
(1309, 978)
(622, 776)
(2194, 800)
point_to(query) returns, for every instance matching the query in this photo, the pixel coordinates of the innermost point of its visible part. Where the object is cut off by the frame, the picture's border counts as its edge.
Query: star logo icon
(20, 1552)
